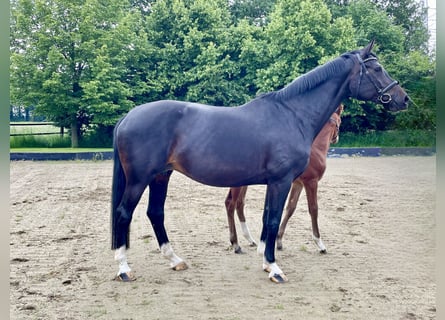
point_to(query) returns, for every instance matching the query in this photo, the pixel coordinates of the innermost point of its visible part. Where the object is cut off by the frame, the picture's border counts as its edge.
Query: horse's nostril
(407, 98)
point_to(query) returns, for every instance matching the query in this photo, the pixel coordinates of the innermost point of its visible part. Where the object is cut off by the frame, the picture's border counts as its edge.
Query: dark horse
(265, 141)
(235, 199)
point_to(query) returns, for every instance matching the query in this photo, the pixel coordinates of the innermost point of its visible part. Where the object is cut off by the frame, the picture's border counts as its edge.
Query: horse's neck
(323, 139)
(315, 106)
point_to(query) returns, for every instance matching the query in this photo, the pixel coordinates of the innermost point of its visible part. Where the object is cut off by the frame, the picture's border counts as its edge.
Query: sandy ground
(377, 219)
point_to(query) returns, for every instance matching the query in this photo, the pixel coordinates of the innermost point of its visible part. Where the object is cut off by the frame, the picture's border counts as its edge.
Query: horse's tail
(117, 191)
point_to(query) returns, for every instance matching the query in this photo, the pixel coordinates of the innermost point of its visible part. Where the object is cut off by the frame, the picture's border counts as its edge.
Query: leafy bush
(392, 138)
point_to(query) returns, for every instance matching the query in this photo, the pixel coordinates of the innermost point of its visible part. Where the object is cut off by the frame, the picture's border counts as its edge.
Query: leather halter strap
(383, 95)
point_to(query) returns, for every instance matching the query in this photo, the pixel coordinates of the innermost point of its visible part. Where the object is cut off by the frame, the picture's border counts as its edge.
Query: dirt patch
(377, 219)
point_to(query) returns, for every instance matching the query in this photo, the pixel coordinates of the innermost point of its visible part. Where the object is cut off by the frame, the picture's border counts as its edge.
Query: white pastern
(319, 243)
(246, 232)
(261, 248)
(266, 265)
(120, 255)
(273, 269)
(167, 252)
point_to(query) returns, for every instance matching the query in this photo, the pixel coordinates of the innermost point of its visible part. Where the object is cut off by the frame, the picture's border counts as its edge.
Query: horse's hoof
(125, 277)
(279, 247)
(279, 278)
(253, 244)
(180, 266)
(323, 251)
(238, 250)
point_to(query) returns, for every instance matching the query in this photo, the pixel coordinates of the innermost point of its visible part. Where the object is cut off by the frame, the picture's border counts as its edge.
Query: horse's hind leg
(242, 218)
(155, 212)
(130, 199)
(294, 195)
(230, 203)
(235, 200)
(311, 188)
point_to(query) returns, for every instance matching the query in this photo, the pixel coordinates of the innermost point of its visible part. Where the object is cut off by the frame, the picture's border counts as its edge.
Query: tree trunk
(74, 136)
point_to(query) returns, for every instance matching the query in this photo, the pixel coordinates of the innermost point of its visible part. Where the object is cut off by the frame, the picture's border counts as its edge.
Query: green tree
(373, 22)
(410, 15)
(254, 11)
(370, 22)
(84, 63)
(195, 56)
(68, 59)
(417, 71)
(301, 35)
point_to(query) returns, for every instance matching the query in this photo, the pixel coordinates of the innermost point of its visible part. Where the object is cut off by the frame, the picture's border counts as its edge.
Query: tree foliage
(300, 36)
(85, 63)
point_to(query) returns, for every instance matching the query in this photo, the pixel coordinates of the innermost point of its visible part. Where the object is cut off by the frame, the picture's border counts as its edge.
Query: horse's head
(336, 122)
(370, 81)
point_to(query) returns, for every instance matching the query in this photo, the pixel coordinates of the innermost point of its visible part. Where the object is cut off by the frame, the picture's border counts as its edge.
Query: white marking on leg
(266, 265)
(120, 255)
(246, 232)
(274, 269)
(261, 248)
(319, 243)
(167, 252)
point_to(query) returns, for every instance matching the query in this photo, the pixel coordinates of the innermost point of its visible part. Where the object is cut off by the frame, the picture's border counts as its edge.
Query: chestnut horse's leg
(294, 195)
(235, 201)
(240, 211)
(311, 188)
(155, 212)
(231, 203)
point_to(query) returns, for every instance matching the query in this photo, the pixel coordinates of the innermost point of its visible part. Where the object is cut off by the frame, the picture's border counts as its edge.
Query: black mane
(312, 78)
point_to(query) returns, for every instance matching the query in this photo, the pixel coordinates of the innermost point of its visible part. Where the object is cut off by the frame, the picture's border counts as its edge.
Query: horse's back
(220, 146)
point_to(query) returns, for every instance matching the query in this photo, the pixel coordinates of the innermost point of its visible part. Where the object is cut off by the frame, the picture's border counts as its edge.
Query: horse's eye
(378, 69)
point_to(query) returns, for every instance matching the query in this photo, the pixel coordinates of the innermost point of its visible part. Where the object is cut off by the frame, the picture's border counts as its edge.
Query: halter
(383, 97)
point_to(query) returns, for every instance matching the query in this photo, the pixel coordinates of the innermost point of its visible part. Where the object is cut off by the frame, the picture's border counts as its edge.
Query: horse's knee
(273, 225)
(124, 219)
(230, 206)
(240, 204)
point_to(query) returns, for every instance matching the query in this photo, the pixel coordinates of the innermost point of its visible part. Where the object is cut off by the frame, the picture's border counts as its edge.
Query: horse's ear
(367, 50)
(339, 109)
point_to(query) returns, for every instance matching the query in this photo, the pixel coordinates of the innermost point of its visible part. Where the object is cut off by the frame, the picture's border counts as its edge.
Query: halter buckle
(385, 98)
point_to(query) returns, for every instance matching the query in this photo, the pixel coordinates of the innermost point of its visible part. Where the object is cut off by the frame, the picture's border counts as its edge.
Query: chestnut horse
(309, 180)
(265, 141)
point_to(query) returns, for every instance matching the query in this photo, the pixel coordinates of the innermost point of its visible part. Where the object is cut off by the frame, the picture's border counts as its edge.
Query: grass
(26, 138)
(52, 141)
(56, 143)
(31, 127)
(412, 138)
(60, 150)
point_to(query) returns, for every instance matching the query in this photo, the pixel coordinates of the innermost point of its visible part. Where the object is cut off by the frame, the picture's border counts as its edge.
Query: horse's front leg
(311, 188)
(155, 212)
(275, 198)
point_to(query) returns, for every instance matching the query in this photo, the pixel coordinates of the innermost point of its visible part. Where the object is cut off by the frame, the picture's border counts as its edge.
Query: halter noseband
(383, 97)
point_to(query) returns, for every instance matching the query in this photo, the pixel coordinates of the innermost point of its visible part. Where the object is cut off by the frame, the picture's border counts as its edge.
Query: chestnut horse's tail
(117, 191)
